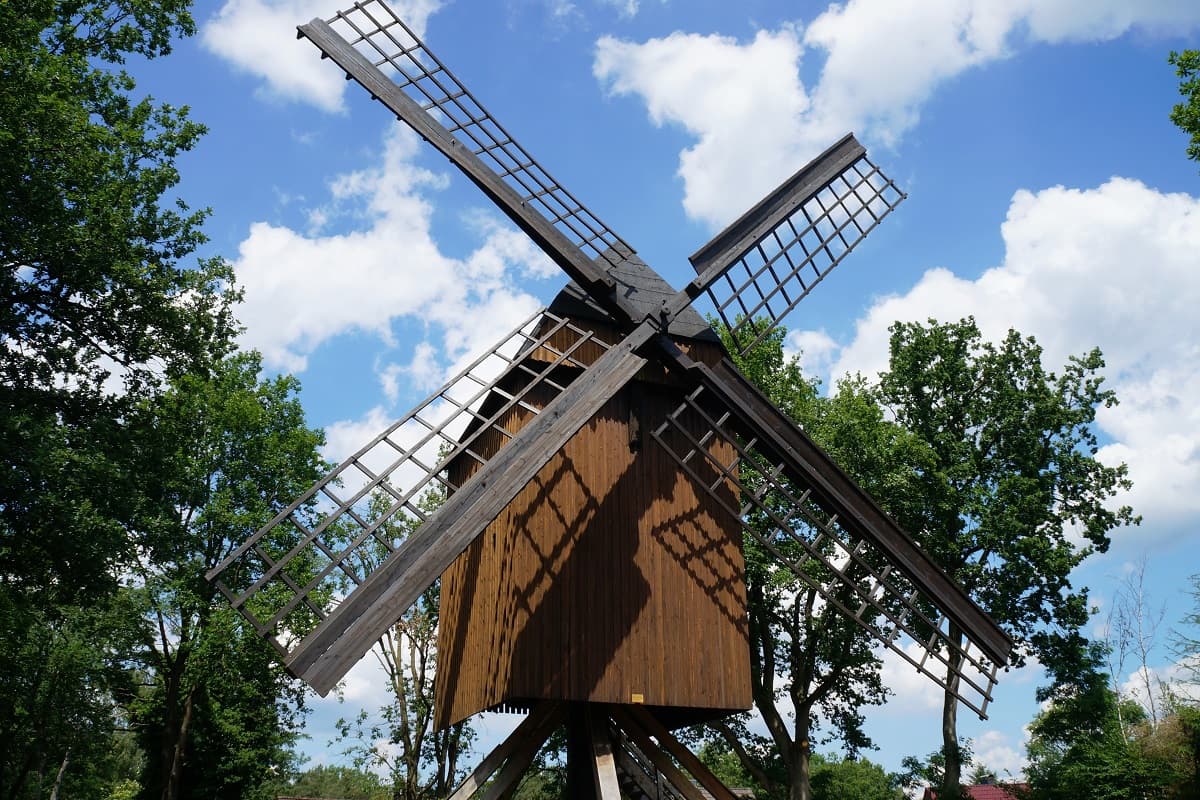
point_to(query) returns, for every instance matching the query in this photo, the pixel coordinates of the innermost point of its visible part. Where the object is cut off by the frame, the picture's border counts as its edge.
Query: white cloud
(742, 102)
(755, 121)
(913, 692)
(259, 37)
(1111, 267)
(626, 8)
(815, 350)
(302, 290)
(346, 437)
(994, 750)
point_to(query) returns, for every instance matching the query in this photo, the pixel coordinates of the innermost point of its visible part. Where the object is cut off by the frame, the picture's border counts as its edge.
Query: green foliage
(803, 652)
(224, 453)
(343, 783)
(1009, 485)
(1187, 114)
(59, 679)
(918, 773)
(93, 292)
(136, 452)
(852, 779)
(1081, 746)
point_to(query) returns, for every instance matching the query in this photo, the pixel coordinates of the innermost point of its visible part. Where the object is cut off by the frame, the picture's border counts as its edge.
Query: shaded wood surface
(607, 579)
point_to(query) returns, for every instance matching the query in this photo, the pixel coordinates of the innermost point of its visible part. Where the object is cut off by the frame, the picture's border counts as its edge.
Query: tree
(223, 454)
(1187, 640)
(426, 762)
(61, 675)
(345, 783)
(96, 305)
(853, 779)
(1187, 114)
(1011, 495)
(804, 654)
(97, 310)
(1088, 742)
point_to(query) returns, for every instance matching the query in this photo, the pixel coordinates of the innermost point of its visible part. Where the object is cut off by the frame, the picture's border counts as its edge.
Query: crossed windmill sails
(335, 569)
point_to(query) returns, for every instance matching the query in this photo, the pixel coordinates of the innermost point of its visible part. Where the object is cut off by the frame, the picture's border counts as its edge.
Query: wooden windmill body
(601, 466)
(609, 578)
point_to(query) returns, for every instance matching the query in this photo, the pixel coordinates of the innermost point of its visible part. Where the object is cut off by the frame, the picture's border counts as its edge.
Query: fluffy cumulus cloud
(259, 37)
(1113, 267)
(753, 118)
(304, 289)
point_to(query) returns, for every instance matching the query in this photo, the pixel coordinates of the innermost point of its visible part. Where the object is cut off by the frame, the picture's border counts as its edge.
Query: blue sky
(1048, 192)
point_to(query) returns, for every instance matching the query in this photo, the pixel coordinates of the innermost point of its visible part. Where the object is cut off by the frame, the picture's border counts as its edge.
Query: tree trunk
(952, 777)
(800, 767)
(175, 776)
(61, 770)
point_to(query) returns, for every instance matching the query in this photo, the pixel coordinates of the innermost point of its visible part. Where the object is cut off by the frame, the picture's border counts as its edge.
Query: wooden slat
(521, 757)
(600, 527)
(341, 640)
(732, 243)
(684, 756)
(627, 766)
(604, 765)
(660, 760)
(542, 715)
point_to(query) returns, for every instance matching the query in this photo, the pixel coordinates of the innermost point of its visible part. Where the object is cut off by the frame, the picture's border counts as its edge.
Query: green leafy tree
(61, 677)
(427, 761)
(223, 453)
(806, 659)
(344, 783)
(97, 308)
(1187, 114)
(1011, 497)
(96, 302)
(1082, 745)
(853, 779)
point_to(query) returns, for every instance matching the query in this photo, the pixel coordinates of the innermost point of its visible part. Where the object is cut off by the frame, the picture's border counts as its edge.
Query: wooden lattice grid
(378, 34)
(289, 575)
(779, 269)
(777, 510)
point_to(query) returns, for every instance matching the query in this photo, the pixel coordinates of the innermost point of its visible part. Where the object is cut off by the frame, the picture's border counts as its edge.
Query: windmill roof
(643, 288)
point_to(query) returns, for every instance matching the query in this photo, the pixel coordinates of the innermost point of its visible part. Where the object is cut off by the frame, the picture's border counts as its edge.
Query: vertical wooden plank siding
(607, 579)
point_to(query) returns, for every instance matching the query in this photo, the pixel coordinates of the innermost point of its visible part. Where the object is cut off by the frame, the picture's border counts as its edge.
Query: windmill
(600, 467)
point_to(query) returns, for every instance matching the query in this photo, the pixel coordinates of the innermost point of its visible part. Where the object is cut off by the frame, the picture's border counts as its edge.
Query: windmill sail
(798, 505)
(760, 267)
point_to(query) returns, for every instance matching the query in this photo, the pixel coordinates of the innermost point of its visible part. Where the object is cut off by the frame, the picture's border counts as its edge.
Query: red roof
(986, 791)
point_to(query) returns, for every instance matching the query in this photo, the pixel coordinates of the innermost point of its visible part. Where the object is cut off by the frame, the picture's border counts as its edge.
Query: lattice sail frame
(290, 574)
(781, 266)
(377, 33)
(849, 572)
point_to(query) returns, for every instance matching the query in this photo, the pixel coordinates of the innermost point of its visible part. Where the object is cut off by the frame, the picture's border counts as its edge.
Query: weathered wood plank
(662, 763)
(604, 766)
(522, 756)
(542, 715)
(358, 622)
(686, 758)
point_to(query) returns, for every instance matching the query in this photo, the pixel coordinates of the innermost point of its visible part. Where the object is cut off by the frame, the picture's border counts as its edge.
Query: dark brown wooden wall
(604, 580)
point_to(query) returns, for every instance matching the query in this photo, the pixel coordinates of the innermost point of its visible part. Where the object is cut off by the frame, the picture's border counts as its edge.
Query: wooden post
(581, 782)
